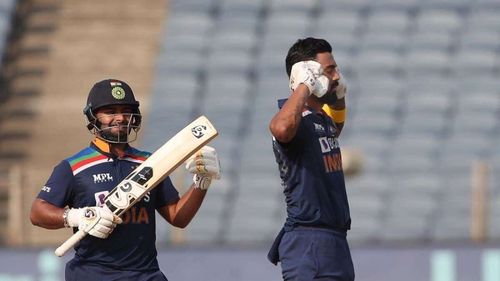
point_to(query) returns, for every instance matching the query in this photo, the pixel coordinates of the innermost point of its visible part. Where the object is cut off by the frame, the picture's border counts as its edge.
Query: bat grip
(68, 244)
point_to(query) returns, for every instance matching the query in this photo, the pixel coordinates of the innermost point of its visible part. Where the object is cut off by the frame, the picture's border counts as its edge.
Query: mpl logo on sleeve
(199, 131)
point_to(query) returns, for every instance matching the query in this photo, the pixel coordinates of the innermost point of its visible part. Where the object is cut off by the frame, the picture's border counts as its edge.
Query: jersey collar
(105, 148)
(307, 110)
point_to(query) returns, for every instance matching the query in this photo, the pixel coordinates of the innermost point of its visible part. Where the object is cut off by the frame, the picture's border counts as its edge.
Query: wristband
(338, 116)
(65, 216)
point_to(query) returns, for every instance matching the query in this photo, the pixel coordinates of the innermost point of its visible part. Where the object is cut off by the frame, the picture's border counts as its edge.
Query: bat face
(164, 160)
(129, 191)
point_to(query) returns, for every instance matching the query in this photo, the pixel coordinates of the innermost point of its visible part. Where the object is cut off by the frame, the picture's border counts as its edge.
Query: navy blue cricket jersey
(311, 172)
(84, 179)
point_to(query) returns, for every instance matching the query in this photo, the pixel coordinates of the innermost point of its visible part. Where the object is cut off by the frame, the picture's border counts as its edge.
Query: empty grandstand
(424, 103)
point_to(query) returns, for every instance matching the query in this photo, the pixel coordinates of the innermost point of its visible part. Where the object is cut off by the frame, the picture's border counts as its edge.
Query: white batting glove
(96, 221)
(205, 166)
(341, 89)
(309, 73)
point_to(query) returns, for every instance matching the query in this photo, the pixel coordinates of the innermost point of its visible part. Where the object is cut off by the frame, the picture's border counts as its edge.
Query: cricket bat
(152, 171)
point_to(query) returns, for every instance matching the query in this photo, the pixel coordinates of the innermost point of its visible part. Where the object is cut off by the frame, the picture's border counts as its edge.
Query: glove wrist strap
(201, 182)
(65, 217)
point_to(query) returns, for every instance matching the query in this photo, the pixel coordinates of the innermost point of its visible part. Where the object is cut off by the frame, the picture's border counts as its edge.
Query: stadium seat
(438, 20)
(482, 19)
(295, 22)
(404, 5)
(233, 62)
(240, 8)
(480, 101)
(232, 41)
(423, 102)
(357, 5)
(414, 144)
(431, 40)
(427, 63)
(192, 5)
(430, 124)
(368, 62)
(459, 5)
(411, 162)
(484, 40)
(189, 22)
(383, 41)
(474, 62)
(344, 21)
(292, 5)
(373, 103)
(388, 21)
(487, 4)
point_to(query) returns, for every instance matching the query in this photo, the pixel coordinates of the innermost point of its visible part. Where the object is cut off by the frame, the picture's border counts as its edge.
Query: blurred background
(421, 142)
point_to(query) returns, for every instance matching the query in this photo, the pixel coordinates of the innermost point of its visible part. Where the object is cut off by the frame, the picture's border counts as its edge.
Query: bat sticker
(199, 131)
(143, 175)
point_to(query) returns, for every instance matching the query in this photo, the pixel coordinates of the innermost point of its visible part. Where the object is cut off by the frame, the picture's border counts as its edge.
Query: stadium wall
(433, 263)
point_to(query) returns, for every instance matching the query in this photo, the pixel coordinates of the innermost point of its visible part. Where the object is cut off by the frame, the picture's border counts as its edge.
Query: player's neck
(313, 103)
(117, 149)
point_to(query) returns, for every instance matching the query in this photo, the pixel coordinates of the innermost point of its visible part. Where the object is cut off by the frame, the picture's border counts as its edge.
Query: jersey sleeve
(57, 189)
(295, 144)
(167, 193)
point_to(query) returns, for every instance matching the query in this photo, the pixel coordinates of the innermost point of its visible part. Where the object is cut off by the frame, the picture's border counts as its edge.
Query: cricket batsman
(312, 244)
(73, 197)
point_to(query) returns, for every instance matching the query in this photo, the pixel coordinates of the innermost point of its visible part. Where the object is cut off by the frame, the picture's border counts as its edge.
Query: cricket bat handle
(68, 244)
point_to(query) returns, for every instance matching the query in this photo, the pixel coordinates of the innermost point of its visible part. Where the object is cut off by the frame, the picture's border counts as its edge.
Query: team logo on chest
(103, 177)
(319, 128)
(328, 144)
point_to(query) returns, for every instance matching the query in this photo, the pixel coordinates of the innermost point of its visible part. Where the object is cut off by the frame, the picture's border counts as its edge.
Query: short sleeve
(57, 190)
(167, 194)
(295, 144)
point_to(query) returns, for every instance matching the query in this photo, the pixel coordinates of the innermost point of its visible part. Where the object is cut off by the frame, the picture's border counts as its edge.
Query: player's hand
(341, 88)
(96, 221)
(205, 166)
(309, 73)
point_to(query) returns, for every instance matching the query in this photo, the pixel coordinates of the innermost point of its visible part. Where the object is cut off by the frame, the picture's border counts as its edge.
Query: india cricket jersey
(312, 176)
(85, 179)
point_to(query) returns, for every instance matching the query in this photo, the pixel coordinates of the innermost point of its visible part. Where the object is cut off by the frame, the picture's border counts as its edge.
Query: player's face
(329, 68)
(115, 121)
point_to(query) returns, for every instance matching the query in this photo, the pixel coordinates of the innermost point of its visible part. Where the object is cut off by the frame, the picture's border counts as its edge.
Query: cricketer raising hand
(74, 195)
(312, 244)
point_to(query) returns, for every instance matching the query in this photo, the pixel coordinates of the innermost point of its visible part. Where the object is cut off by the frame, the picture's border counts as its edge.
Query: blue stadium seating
(424, 99)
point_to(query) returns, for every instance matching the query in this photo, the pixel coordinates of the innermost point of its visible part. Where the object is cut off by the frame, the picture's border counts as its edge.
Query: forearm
(186, 208)
(46, 215)
(285, 123)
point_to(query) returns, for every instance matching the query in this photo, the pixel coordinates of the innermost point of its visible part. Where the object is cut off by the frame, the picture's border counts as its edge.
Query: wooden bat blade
(152, 171)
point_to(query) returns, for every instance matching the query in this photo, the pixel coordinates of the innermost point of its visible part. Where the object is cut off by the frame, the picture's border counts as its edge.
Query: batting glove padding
(205, 166)
(96, 221)
(309, 73)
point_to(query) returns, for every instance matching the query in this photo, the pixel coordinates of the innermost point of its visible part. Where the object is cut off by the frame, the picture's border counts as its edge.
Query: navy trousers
(315, 254)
